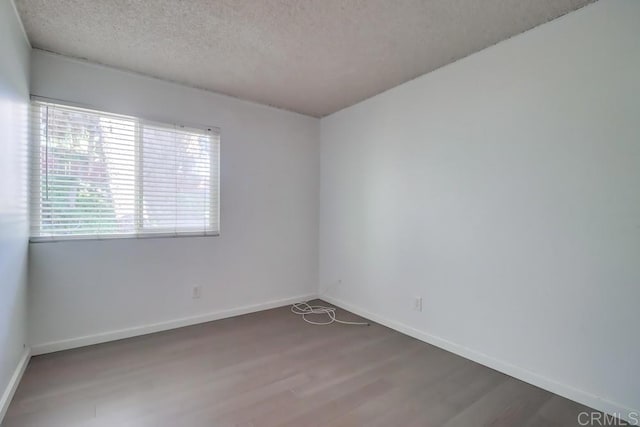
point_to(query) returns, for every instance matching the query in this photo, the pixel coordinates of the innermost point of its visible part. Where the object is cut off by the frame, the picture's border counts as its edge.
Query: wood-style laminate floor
(272, 369)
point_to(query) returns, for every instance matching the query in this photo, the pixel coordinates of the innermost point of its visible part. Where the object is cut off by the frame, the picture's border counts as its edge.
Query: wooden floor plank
(272, 369)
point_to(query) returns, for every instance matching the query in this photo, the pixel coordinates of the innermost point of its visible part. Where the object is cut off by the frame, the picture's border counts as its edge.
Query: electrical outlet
(417, 304)
(196, 292)
(331, 286)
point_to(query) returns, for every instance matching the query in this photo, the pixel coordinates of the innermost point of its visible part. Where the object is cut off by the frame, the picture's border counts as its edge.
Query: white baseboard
(520, 373)
(8, 393)
(50, 347)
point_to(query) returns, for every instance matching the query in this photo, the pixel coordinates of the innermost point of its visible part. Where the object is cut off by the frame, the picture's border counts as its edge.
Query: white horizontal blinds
(99, 175)
(84, 173)
(177, 182)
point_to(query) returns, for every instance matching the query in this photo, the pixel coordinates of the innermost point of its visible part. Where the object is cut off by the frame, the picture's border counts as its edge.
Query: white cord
(303, 309)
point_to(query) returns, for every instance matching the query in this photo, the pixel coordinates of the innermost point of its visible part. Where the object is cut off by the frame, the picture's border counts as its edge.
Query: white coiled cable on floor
(304, 309)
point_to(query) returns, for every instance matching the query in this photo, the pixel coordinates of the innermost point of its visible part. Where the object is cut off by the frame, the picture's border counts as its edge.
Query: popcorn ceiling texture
(314, 57)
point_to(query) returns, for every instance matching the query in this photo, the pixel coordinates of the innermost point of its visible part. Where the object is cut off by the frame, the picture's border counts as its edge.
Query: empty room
(319, 213)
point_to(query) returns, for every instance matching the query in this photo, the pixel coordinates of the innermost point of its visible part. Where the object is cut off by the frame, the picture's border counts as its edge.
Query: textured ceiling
(310, 56)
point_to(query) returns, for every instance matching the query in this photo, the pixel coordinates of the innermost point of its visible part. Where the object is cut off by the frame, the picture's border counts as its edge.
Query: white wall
(505, 190)
(266, 253)
(14, 96)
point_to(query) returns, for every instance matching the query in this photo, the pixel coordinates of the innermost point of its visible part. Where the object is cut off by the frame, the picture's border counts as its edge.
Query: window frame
(35, 198)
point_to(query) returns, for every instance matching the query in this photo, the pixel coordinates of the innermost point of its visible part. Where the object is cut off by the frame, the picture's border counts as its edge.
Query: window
(101, 175)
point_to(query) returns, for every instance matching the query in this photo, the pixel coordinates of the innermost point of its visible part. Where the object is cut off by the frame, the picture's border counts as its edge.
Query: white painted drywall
(505, 190)
(267, 249)
(14, 96)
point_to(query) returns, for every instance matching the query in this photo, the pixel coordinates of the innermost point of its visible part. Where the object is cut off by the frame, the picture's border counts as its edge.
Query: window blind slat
(101, 175)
